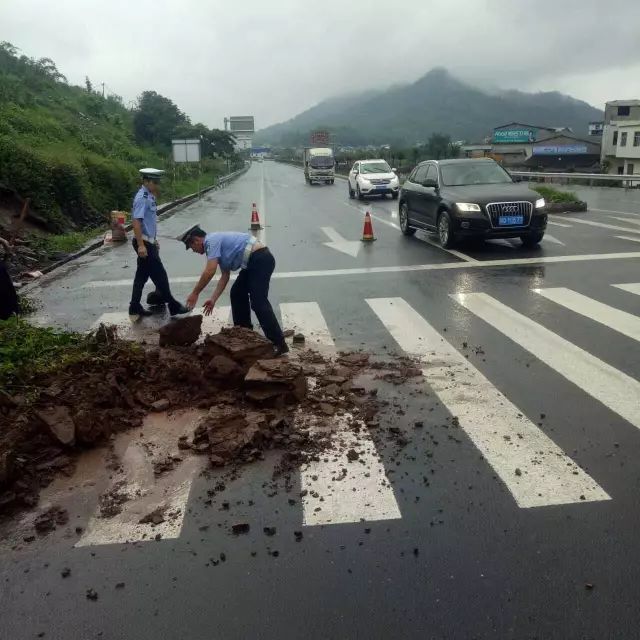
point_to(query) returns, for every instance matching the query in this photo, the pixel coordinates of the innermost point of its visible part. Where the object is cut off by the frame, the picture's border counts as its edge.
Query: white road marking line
(220, 317)
(507, 440)
(339, 243)
(624, 213)
(620, 321)
(147, 328)
(559, 224)
(262, 234)
(614, 389)
(144, 491)
(307, 318)
(602, 225)
(549, 238)
(443, 266)
(364, 493)
(458, 254)
(627, 220)
(630, 287)
(627, 238)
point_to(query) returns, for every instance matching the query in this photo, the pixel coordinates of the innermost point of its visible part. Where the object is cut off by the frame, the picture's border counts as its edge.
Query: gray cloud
(274, 59)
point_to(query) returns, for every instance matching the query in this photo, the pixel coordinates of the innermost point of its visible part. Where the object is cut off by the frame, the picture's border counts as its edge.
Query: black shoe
(180, 310)
(139, 310)
(280, 349)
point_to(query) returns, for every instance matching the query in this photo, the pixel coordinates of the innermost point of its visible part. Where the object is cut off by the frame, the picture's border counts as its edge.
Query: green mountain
(436, 103)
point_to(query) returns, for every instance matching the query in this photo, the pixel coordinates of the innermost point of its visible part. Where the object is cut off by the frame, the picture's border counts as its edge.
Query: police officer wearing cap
(145, 244)
(233, 251)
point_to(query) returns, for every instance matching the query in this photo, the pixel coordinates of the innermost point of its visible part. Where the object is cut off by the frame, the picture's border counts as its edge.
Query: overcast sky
(275, 58)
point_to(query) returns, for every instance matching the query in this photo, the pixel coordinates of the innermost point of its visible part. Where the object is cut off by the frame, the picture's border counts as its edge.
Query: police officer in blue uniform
(233, 251)
(145, 244)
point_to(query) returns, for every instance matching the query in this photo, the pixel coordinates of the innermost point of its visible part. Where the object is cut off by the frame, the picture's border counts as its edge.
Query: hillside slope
(436, 103)
(70, 151)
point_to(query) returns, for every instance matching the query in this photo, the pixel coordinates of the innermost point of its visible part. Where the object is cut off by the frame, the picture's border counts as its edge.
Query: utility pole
(103, 89)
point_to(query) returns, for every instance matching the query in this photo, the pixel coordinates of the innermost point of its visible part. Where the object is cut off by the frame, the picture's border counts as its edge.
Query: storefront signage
(559, 149)
(511, 136)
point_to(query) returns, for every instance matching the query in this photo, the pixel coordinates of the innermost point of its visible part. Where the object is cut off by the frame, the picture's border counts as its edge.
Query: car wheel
(360, 196)
(532, 239)
(331, 181)
(405, 226)
(352, 193)
(445, 232)
(394, 196)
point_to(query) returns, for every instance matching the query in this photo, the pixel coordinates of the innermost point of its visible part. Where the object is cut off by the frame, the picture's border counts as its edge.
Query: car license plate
(510, 220)
(381, 186)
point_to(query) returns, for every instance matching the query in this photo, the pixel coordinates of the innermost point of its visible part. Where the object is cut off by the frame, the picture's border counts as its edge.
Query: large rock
(227, 433)
(241, 345)
(225, 371)
(181, 332)
(276, 381)
(60, 424)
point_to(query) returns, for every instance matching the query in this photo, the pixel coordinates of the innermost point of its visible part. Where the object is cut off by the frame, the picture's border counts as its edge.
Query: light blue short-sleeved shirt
(227, 247)
(145, 210)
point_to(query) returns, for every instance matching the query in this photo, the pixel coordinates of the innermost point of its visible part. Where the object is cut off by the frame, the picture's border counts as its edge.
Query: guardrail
(627, 181)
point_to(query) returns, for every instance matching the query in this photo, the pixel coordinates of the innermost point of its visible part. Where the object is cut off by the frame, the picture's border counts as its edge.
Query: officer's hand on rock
(142, 251)
(208, 307)
(192, 300)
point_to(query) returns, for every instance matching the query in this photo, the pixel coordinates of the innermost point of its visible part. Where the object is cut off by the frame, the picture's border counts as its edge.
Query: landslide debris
(254, 403)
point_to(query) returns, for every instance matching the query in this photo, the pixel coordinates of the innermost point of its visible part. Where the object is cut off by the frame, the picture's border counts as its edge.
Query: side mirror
(430, 184)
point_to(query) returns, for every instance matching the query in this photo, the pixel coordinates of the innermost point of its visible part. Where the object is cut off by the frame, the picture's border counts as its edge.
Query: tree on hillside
(88, 84)
(156, 118)
(215, 142)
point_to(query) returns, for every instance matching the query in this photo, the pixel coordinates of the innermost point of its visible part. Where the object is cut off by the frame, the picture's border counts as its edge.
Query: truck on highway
(319, 165)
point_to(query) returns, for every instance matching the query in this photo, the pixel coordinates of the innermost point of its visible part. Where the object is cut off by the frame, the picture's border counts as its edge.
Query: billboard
(241, 124)
(320, 138)
(559, 149)
(512, 136)
(186, 150)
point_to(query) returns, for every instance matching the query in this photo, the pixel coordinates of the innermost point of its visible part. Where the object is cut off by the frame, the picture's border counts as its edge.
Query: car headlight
(540, 203)
(467, 206)
(366, 182)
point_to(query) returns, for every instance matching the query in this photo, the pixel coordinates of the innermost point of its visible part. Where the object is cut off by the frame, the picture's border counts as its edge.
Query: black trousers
(251, 291)
(8, 295)
(151, 267)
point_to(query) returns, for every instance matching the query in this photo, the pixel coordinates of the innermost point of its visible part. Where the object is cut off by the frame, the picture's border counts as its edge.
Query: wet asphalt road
(468, 556)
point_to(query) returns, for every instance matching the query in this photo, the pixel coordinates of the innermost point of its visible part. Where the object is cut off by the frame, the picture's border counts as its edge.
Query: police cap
(189, 234)
(151, 174)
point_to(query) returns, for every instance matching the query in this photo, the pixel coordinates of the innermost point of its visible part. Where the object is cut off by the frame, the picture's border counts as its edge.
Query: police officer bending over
(146, 245)
(233, 251)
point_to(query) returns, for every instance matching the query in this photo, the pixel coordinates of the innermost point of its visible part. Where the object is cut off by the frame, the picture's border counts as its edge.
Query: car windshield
(321, 162)
(375, 167)
(457, 175)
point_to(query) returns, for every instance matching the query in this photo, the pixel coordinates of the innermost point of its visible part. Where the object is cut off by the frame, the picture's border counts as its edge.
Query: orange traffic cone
(255, 220)
(367, 232)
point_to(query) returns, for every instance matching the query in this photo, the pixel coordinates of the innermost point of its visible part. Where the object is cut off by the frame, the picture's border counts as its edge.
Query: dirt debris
(181, 332)
(254, 403)
(155, 517)
(50, 519)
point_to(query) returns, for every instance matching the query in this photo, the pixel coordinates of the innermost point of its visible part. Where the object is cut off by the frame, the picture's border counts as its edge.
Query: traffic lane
(519, 572)
(298, 213)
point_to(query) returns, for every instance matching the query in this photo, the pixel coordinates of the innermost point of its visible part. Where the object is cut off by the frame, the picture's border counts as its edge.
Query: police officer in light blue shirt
(146, 245)
(233, 251)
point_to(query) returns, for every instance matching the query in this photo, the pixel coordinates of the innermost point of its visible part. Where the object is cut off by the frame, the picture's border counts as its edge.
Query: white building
(621, 137)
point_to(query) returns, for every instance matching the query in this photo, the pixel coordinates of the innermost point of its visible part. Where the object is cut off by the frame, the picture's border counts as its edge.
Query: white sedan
(373, 177)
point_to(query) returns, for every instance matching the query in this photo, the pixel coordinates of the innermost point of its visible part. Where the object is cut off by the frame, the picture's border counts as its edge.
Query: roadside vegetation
(555, 195)
(75, 153)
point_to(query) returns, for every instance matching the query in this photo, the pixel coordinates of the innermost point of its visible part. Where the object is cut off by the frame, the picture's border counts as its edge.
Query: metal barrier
(628, 181)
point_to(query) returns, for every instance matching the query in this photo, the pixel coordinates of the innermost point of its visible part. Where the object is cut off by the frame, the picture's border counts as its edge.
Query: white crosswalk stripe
(306, 318)
(614, 389)
(364, 493)
(621, 321)
(631, 287)
(534, 469)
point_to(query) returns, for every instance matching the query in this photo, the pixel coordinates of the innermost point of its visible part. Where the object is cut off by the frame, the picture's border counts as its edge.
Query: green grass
(26, 351)
(50, 245)
(554, 195)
